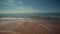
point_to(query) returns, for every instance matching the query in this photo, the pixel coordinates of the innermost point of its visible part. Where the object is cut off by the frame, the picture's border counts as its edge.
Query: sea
(22, 15)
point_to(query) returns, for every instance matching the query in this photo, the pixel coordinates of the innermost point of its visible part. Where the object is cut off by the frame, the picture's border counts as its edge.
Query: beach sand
(29, 26)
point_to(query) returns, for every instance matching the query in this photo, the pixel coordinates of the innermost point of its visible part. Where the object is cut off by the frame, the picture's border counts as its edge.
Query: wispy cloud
(19, 10)
(12, 3)
(8, 2)
(19, 5)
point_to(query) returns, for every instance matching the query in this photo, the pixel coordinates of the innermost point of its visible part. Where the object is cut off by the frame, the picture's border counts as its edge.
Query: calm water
(29, 15)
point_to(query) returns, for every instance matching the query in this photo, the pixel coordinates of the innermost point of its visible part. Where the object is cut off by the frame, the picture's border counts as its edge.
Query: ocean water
(29, 15)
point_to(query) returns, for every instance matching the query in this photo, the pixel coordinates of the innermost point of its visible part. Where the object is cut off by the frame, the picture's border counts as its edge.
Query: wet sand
(29, 26)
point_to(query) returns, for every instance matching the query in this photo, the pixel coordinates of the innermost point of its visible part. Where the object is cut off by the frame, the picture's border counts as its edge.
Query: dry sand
(29, 26)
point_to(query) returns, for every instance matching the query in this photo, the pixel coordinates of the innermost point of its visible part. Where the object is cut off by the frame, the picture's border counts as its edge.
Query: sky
(29, 6)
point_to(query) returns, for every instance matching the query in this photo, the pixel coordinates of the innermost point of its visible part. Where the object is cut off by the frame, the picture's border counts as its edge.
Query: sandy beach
(29, 26)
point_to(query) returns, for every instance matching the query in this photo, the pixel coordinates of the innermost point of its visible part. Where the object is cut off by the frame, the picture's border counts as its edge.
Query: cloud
(19, 10)
(20, 3)
(13, 3)
(8, 3)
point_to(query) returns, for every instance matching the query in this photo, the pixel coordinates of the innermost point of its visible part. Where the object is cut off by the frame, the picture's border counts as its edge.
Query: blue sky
(29, 6)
